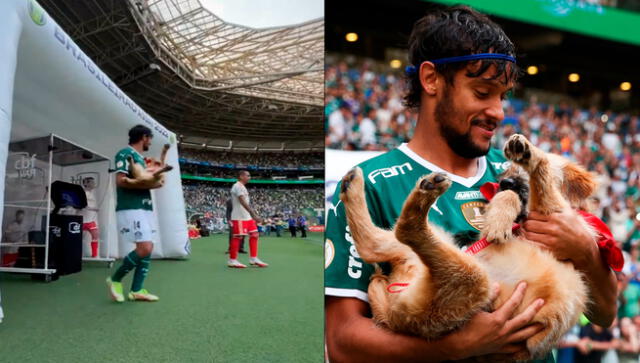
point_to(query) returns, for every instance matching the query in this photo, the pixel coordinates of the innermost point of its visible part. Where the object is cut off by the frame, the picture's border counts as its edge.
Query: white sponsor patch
(471, 194)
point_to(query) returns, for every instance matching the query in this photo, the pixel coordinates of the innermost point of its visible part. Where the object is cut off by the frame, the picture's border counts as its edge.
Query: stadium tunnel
(50, 89)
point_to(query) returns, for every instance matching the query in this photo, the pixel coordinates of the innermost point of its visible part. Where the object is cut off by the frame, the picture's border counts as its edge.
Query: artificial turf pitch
(207, 312)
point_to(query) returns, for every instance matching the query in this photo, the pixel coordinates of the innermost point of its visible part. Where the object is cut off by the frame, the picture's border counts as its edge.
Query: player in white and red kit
(243, 222)
(90, 214)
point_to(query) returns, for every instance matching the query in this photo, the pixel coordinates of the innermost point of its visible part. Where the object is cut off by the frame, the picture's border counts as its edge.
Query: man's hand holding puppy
(563, 235)
(351, 334)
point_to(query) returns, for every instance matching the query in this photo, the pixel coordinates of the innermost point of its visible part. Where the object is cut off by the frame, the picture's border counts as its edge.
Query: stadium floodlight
(395, 63)
(351, 37)
(625, 86)
(532, 70)
(574, 77)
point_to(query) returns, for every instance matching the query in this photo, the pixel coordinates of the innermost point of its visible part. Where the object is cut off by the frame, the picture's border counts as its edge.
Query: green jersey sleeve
(122, 162)
(346, 274)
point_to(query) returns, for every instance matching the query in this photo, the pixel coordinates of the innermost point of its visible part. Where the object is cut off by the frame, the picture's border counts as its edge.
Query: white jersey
(87, 214)
(16, 232)
(239, 213)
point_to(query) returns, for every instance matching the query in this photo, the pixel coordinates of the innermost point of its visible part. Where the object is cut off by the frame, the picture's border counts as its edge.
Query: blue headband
(411, 70)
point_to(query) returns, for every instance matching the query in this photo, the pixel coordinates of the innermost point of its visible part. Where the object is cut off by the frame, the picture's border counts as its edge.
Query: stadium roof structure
(211, 81)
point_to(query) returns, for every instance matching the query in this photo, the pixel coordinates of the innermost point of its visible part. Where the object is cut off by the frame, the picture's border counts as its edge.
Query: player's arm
(245, 205)
(561, 233)
(123, 181)
(352, 336)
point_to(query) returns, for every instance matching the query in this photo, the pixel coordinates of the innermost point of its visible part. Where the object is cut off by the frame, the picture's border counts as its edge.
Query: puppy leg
(373, 244)
(379, 297)
(163, 154)
(545, 195)
(500, 214)
(164, 169)
(460, 286)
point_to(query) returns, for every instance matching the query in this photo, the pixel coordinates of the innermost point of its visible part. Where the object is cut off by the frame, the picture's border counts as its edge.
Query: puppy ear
(578, 184)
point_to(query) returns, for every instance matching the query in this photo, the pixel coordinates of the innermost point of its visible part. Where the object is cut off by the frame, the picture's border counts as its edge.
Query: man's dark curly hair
(457, 31)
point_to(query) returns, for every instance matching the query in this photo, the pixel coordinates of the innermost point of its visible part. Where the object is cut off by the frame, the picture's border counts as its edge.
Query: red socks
(94, 248)
(233, 249)
(253, 245)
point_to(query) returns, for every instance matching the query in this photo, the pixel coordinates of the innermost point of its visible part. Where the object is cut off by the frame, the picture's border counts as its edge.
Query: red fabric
(253, 245)
(89, 226)
(609, 250)
(94, 248)
(233, 249)
(9, 259)
(243, 228)
(489, 190)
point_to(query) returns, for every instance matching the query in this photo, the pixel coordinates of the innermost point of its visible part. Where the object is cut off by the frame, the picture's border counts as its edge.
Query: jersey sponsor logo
(389, 172)
(434, 206)
(473, 212)
(468, 195)
(329, 253)
(354, 269)
(501, 166)
(334, 208)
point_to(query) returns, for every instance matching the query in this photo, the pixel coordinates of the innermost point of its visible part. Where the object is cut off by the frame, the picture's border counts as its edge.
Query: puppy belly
(558, 283)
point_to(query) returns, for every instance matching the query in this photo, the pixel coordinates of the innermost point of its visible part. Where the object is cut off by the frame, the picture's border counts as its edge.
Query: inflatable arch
(48, 86)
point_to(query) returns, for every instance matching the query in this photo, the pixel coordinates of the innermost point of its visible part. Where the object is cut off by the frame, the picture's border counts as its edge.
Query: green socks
(129, 262)
(141, 273)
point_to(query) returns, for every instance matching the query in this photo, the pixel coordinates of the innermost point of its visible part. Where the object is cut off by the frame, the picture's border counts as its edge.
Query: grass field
(206, 313)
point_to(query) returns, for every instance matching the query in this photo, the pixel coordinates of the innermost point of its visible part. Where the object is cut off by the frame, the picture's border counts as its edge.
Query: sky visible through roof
(265, 13)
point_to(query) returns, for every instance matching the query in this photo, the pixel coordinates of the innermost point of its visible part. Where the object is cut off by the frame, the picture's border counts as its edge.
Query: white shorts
(136, 225)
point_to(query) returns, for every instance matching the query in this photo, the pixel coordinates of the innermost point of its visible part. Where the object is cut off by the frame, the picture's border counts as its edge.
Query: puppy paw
(352, 182)
(434, 184)
(498, 231)
(518, 149)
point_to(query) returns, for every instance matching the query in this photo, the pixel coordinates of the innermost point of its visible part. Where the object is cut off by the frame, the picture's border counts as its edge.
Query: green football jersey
(389, 178)
(131, 198)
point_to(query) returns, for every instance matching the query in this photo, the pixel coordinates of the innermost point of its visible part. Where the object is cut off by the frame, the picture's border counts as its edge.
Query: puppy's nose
(507, 184)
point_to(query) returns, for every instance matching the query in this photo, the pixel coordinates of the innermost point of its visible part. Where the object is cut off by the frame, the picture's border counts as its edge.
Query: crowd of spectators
(211, 200)
(364, 112)
(285, 159)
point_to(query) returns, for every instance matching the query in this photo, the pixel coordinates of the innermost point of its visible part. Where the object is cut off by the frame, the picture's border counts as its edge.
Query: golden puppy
(446, 286)
(154, 173)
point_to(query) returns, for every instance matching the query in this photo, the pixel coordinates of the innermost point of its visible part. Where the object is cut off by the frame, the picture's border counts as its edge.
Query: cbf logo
(36, 13)
(25, 165)
(74, 227)
(78, 178)
(56, 231)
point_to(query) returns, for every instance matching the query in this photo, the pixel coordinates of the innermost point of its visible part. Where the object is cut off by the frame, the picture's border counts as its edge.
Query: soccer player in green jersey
(463, 66)
(134, 212)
